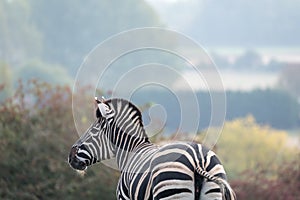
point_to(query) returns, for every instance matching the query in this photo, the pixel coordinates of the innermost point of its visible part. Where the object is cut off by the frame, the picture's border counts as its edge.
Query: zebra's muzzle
(74, 161)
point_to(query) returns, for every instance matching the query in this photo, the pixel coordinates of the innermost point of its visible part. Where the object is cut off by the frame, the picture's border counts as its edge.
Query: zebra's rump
(171, 172)
(173, 169)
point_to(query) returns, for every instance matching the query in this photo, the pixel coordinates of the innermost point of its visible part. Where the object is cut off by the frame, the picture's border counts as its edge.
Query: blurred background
(254, 44)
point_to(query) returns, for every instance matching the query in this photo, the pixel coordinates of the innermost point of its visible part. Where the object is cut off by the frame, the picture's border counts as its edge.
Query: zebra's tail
(226, 190)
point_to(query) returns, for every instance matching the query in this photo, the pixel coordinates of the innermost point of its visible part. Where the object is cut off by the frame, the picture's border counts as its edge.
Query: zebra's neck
(128, 148)
(135, 159)
(127, 132)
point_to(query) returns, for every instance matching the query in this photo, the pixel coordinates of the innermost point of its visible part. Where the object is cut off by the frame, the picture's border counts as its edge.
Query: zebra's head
(94, 145)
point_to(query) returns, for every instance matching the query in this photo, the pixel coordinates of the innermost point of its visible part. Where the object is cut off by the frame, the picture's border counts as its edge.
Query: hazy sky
(251, 23)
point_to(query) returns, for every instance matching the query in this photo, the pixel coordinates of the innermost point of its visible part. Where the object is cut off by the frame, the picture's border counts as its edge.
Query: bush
(259, 160)
(283, 186)
(253, 145)
(36, 133)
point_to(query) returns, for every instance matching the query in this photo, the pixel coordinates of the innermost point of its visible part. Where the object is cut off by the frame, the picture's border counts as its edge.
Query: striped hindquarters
(173, 174)
(215, 185)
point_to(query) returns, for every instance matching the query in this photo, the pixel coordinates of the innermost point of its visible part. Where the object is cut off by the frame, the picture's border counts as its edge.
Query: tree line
(271, 107)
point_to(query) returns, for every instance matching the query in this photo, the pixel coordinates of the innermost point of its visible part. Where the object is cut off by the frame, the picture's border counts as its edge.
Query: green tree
(71, 28)
(54, 74)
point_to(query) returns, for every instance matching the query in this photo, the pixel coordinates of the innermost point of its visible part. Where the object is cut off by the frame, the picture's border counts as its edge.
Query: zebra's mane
(123, 102)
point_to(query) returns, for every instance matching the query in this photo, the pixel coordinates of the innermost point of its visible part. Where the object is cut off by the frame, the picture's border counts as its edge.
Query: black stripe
(137, 178)
(171, 176)
(173, 157)
(171, 192)
(143, 187)
(83, 155)
(215, 190)
(221, 175)
(213, 162)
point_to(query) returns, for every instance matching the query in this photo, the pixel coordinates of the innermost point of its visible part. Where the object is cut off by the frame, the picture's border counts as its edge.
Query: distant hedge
(272, 107)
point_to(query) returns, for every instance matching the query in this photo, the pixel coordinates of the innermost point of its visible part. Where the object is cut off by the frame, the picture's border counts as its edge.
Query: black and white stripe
(178, 170)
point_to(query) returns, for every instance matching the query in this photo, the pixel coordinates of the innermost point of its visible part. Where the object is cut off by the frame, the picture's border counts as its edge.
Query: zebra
(179, 170)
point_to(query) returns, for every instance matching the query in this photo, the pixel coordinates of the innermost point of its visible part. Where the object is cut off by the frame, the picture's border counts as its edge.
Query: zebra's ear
(97, 100)
(103, 109)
